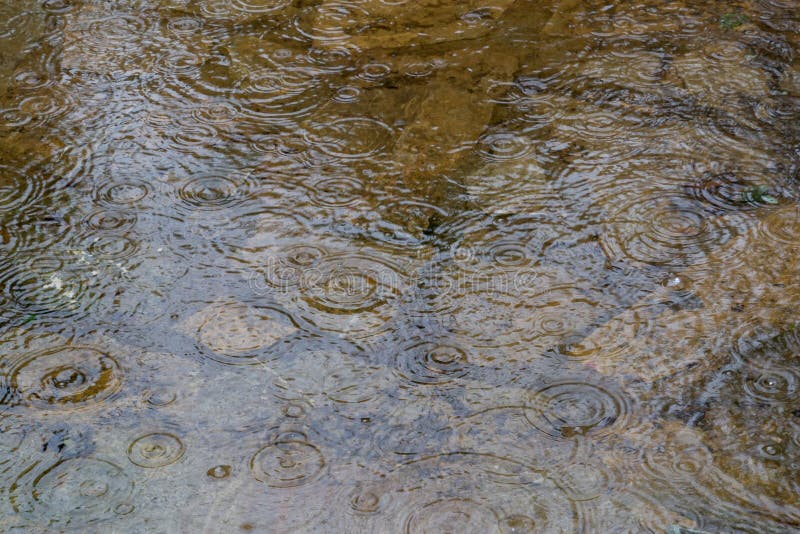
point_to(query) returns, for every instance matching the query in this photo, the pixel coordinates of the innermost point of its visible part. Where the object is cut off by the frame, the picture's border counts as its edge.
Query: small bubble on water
(219, 471)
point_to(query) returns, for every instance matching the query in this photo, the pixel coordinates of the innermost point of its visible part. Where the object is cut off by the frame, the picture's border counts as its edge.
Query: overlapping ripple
(62, 379)
(156, 450)
(423, 266)
(351, 294)
(674, 232)
(73, 492)
(569, 410)
(287, 464)
(237, 334)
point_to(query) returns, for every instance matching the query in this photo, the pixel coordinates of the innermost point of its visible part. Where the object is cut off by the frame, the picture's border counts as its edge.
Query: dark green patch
(759, 195)
(729, 21)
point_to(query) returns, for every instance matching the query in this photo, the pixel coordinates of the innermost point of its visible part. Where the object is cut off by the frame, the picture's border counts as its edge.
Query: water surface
(399, 266)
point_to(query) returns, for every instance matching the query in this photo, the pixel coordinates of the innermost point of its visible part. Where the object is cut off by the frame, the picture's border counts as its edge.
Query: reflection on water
(383, 266)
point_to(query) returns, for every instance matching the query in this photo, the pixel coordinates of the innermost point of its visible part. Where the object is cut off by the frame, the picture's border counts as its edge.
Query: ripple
(112, 247)
(211, 192)
(270, 96)
(16, 190)
(330, 22)
(279, 275)
(181, 63)
(629, 68)
(366, 500)
(374, 72)
(465, 492)
(108, 220)
(514, 309)
(444, 297)
(432, 363)
(288, 268)
(16, 23)
(587, 480)
(219, 472)
(626, 510)
(509, 254)
(513, 244)
(674, 232)
(46, 107)
(350, 138)
(357, 388)
(347, 94)
(160, 397)
(193, 136)
(766, 357)
(418, 69)
(591, 125)
(236, 334)
(12, 117)
(120, 27)
(772, 384)
(57, 6)
(570, 409)
(156, 450)
(618, 335)
(123, 194)
(452, 515)
(76, 491)
(71, 377)
(681, 457)
(46, 285)
(337, 192)
(364, 496)
(283, 145)
(352, 293)
(726, 192)
(768, 376)
(216, 9)
(782, 225)
(185, 25)
(304, 255)
(260, 6)
(503, 146)
(562, 314)
(30, 80)
(216, 114)
(331, 59)
(287, 464)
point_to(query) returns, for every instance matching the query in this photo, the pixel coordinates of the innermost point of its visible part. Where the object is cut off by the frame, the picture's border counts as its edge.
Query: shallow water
(384, 266)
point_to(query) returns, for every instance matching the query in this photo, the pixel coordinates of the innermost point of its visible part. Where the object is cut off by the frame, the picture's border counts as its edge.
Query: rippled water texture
(400, 266)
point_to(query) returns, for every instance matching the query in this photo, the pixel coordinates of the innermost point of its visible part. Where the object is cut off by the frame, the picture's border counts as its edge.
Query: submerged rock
(376, 24)
(236, 333)
(444, 123)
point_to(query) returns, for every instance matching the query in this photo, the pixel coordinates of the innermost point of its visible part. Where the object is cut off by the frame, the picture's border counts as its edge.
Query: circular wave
(156, 450)
(237, 334)
(73, 492)
(349, 138)
(430, 363)
(287, 464)
(351, 293)
(66, 378)
(568, 410)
